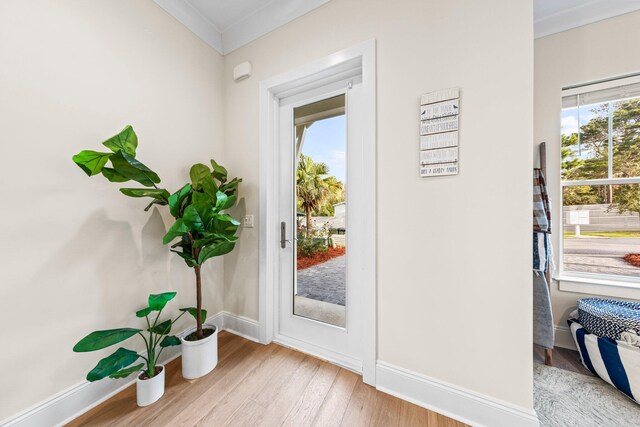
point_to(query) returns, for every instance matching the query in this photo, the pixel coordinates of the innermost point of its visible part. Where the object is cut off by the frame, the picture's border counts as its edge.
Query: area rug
(563, 398)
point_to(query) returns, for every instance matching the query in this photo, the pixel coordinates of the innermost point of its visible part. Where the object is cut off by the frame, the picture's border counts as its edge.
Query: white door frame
(271, 90)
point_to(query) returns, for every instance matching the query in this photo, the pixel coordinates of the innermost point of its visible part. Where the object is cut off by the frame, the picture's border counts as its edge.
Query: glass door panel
(320, 279)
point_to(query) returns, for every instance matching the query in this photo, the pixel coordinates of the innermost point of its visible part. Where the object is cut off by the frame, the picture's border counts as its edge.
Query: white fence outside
(600, 219)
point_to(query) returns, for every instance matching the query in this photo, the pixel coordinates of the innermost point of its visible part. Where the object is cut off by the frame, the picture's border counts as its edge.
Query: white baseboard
(75, 401)
(564, 338)
(336, 358)
(241, 326)
(463, 405)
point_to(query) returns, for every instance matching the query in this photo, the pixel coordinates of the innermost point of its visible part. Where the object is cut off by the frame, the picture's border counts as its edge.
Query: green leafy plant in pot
(201, 230)
(120, 364)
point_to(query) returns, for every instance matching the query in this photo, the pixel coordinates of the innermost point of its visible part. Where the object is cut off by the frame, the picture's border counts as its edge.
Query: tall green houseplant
(201, 228)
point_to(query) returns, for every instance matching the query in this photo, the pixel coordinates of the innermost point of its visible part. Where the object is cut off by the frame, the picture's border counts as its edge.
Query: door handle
(283, 235)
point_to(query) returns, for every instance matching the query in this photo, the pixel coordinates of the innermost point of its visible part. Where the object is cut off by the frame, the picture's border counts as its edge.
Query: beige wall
(76, 255)
(604, 49)
(454, 254)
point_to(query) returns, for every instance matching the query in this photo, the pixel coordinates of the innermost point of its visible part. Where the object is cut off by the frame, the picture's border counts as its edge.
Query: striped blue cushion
(615, 362)
(609, 317)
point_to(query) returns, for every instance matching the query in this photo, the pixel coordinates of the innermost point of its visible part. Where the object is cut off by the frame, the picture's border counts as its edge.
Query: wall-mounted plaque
(439, 109)
(439, 140)
(441, 95)
(439, 123)
(444, 124)
(439, 156)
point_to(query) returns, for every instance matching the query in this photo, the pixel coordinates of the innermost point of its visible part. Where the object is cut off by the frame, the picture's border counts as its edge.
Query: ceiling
(229, 24)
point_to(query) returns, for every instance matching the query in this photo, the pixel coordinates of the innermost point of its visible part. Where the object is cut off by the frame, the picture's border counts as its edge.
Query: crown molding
(262, 21)
(188, 16)
(583, 14)
(272, 16)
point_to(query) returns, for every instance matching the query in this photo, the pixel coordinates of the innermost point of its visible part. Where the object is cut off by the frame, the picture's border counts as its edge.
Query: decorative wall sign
(439, 109)
(439, 170)
(443, 124)
(439, 122)
(439, 96)
(439, 140)
(439, 156)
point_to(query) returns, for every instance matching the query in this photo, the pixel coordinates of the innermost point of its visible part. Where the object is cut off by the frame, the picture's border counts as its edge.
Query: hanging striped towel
(542, 253)
(614, 361)
(541, 203)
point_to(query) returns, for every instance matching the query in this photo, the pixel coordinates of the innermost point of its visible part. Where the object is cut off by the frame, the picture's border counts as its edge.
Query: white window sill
(597, 286)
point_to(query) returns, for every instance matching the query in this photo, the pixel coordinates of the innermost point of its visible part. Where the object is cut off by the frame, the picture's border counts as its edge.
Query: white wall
(454, 286)
(604, 49)
(76, 255)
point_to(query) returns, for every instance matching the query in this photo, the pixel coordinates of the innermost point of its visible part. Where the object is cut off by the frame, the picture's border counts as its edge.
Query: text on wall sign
(439, 123)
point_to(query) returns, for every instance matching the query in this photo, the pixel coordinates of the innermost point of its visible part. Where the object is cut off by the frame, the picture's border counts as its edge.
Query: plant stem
(198, 302)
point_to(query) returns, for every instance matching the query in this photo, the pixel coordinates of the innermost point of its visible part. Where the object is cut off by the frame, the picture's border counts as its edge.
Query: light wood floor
(563, 358)
(266, 386)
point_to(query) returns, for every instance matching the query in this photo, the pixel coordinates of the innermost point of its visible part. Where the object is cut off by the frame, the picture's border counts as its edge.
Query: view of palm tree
(316, 190)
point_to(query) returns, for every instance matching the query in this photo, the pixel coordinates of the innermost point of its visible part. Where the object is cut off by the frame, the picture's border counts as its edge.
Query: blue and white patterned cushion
(615, 362)
(609, 317)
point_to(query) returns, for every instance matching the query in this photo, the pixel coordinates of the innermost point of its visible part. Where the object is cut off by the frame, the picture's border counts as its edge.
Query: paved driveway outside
(601, 255)
(324, 282)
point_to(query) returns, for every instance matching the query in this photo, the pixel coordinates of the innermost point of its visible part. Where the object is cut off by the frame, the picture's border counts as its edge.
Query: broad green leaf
(179, 228)
(157, 193)
(176, 199)
(222, 223)
(194, 312)
(229, 203)
(199, 173)
(199, 198)
(201, 179)
(170, 341)
(158, 301)
(219, 172)
(144, 312)
(101, 339)
(230, 187)
(210, 238)
(191, 262)
(91, 162)
(197, 215)
(124, 373)
(221, 200)
(121, 358)
(113, 176)
(219, 249)
(161, 328)
(126, 140)
(131, 168)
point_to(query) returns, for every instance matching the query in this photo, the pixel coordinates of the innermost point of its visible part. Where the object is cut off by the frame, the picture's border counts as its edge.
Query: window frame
(577, 281)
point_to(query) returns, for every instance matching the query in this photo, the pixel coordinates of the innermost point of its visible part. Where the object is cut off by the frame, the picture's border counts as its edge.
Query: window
(600, 175)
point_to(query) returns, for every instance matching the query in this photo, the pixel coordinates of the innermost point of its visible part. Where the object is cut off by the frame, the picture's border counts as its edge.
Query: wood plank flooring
(563, 358)
(256, 385)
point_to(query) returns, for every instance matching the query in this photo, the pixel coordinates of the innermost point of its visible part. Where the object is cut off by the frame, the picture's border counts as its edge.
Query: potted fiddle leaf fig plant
(120, 364)
(202, 232)
(202, 229)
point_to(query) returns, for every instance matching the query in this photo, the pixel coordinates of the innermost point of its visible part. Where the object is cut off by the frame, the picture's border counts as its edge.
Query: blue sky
(325, 142)
(570, 118)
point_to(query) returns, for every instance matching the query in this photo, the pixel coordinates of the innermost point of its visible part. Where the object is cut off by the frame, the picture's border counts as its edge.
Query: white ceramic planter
(150, 390)
(199, 357)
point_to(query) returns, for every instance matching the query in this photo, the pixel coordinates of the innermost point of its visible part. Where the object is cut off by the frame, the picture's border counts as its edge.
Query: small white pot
(199, 357)
(150, 390)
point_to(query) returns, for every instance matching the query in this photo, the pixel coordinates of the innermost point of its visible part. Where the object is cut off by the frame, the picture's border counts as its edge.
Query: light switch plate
(247, 221)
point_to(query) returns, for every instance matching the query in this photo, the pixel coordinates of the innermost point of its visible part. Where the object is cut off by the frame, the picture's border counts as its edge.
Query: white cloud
(569, 125)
